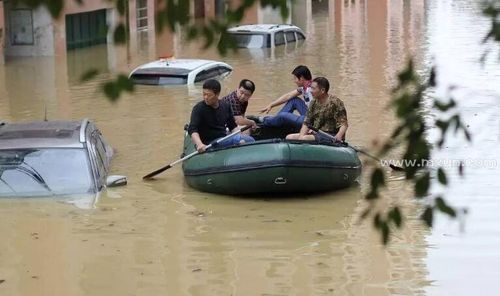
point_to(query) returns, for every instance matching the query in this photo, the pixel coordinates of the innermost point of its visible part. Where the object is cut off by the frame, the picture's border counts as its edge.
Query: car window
(279, 38)
(150, 79)
(101, 152)
(162, 76)
(101, 160)
(206, 74)
(54, 171)
(250, 40)
(223, 70)
(172, 80)
(145, 79)
(300, 36)
(290, 36)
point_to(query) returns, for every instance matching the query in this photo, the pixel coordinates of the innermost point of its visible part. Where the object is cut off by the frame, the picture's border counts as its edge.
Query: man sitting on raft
(326, 113)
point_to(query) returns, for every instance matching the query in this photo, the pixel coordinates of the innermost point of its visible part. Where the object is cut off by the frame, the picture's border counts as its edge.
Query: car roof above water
(184, 66)
(43, 134)
(261, 28)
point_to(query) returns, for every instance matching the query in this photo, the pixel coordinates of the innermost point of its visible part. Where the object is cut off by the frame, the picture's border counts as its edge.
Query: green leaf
(123, 83)
(385, 233)
(377, 221)
(366, 212)
(182, 14)
(89, 75)
(378, 178)
(284, 10)
(55, 7)
(428, 216)
(443, 107)
(422, 185)
(490, 11)
(192, 33)
(443, 207)
(209, 37)
(432, 77)
(111, 91)
(170, 15)
(395, 215)
(373, 194)
(120, 34)
(422, 149)
(442, 176)
(121, 6)
(407, 74)
(442, 125)
(467, 135)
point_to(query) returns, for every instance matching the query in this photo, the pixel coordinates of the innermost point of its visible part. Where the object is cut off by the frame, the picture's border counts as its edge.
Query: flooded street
(164, 238)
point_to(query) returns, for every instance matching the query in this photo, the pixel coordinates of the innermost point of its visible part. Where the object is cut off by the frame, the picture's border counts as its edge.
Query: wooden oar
(396, 168)
(160, 170)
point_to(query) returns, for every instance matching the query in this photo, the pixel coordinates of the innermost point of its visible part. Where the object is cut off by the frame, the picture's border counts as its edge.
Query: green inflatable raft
(271, 165)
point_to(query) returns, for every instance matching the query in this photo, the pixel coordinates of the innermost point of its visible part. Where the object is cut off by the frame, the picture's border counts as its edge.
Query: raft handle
(280, 181)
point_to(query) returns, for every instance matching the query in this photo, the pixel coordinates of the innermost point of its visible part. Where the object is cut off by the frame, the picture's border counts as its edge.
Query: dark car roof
(42, 134)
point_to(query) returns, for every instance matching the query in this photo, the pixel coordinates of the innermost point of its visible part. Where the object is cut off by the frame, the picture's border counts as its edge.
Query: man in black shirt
(211, 117)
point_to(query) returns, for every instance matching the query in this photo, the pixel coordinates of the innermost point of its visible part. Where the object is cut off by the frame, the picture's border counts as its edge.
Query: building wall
(39, 31)
(72, 7)
(87, 5)
(49, 35)
(268, 15)
(2, 33)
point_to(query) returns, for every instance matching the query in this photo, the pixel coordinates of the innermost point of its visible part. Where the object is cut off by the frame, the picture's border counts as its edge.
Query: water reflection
(162, 237)
(269, 241)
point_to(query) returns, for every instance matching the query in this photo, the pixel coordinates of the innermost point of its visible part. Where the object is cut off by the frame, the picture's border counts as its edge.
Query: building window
(21, 27)
(86, 29)
(142, 15)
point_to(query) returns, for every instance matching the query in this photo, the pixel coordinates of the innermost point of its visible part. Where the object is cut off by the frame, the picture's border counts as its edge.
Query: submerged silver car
(265, 35)
(54, 158)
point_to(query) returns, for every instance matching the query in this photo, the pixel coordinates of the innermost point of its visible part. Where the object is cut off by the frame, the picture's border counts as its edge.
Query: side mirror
(116, 180)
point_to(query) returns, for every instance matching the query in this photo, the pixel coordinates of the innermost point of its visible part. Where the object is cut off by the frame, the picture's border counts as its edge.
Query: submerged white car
(178, 71)
(54, 158)
(265, 35)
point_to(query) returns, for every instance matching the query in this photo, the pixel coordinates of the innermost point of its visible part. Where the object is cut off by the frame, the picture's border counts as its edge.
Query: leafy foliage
(113, 89)
(407, 103)
(407, 99)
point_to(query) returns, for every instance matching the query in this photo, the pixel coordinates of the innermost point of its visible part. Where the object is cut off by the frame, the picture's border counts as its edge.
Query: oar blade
(158, 171)
(396, 168)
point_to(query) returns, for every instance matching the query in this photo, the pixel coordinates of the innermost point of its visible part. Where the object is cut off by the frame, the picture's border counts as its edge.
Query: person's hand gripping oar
(162, 169)
(396, 168)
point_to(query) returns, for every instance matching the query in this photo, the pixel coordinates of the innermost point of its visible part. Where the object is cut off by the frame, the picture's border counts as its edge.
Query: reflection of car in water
(265, 35)
(54, 158)
(179, 71)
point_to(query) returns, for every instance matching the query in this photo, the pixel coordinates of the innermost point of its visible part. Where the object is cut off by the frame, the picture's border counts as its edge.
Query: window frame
(275, 36)
(12, 15)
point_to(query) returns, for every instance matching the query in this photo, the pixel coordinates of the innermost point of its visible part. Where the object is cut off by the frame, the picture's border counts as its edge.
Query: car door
(290, 36)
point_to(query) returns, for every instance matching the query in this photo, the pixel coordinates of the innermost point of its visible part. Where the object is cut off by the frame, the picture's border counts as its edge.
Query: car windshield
(152, 79)
(162, 76)
(41, 172)
(249, 40)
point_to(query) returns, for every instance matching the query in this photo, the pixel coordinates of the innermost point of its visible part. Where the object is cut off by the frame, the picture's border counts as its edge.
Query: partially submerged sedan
(54, 158)
(179, 71)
